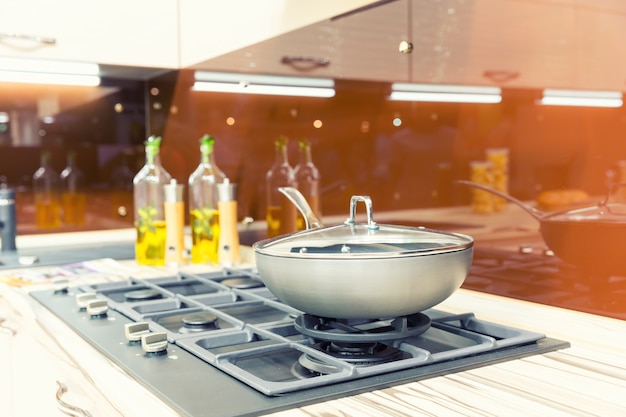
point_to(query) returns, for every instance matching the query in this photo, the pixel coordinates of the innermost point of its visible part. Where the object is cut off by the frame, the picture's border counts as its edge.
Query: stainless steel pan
(362, 271)
(592, 238)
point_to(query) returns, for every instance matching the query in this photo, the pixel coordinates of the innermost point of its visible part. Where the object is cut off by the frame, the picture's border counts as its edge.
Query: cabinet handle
(32, 38)
(69, 409)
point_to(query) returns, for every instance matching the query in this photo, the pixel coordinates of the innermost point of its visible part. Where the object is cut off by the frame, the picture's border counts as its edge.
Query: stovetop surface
(531, 272)
(233, 349)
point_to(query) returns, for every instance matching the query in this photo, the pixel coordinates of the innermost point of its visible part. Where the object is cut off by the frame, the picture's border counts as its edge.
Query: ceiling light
(222, 82)
(554, 97)
(445, 93)
(40, 71)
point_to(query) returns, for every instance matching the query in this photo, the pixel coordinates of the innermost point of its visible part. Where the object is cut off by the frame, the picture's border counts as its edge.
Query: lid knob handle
(371, 224)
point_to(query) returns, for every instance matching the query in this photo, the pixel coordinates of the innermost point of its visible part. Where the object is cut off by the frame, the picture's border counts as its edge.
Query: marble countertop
(37, 352)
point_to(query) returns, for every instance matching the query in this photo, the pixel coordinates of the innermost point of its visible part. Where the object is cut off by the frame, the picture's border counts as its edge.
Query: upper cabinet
(141, 33)
(253, 36)
(570, 44)
(573, 44)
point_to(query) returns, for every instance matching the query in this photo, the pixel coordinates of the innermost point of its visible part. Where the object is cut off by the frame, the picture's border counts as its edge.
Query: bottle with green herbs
(203, 207)
(149, 196)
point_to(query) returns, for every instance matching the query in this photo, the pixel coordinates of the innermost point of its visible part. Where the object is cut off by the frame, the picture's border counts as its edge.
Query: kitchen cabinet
(521, 44)
(564, 44)
(208, 33)
(142, 33)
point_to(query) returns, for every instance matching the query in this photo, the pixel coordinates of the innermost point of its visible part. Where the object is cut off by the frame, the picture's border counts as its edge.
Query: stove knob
(83, 298)
(154, 343)
(60, 285)
(97, 308)
(134, 331)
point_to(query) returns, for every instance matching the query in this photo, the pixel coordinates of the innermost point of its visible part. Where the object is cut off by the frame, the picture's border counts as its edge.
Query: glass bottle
(47, 195)
(203, 208)
(281, 213)
(149, 196)
(308, 179)
(73, 195)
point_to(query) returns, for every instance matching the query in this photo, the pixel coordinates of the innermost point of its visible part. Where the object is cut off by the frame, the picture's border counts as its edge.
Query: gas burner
(142, 295)
(242, 283)
(361, 330)
(198, 322)
(358, 354)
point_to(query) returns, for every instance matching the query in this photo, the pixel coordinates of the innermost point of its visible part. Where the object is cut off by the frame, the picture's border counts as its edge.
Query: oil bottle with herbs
(204, 216)
(149, 196)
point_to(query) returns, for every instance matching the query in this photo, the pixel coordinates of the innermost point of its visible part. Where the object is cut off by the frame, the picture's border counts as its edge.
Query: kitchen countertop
(589, 378)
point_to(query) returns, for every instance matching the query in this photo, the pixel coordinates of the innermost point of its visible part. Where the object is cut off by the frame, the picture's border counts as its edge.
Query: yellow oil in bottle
(74, 205)
(273, 221)
(150, 244)
(205, 235)
(47, 213)
(281, 219)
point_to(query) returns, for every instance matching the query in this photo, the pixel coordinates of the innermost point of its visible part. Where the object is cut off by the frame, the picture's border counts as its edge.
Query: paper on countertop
(100, 268)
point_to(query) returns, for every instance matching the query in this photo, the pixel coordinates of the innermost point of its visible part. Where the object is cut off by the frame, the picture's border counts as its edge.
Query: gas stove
(221, 344)
(531, 272)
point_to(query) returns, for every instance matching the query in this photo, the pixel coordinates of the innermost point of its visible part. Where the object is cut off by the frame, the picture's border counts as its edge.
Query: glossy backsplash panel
(403, 154)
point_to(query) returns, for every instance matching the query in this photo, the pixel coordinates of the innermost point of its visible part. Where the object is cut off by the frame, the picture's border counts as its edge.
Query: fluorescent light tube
(554, 97)
(263, 84)
(46, 78)
(445, 93)
(39, 71)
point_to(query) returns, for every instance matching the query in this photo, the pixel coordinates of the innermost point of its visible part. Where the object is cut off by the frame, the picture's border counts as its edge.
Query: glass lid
(363, 240)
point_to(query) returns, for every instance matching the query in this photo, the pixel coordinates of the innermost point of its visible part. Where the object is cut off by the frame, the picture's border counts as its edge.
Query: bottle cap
(173, 192)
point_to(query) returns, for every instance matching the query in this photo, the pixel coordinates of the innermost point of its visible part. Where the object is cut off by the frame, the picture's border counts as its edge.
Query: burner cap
(358, 354)
(242, 283)
(201, 319)
(142, 295)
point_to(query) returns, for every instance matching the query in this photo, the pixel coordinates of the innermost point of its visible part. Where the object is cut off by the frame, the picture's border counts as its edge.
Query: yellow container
(482, 201)
(499, 159)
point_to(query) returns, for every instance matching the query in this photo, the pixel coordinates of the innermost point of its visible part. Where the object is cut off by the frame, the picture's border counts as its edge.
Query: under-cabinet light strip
(554, 97)
(223, 82)
(49, 78)
(444, 93)
(41, 71)
(279, 90)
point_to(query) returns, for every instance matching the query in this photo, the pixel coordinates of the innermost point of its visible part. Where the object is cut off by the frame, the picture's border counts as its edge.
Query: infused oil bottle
(149, 197)
(308, 178)
(280, 212)
(204, 216)
(73, 194)
(47, 195)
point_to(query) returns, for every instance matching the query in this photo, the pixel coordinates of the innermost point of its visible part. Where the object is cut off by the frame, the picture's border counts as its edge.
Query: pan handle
(298, 200)
(371, 224)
